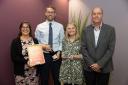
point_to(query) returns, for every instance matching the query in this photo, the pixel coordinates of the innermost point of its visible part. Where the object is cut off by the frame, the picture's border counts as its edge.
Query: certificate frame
(35, 55)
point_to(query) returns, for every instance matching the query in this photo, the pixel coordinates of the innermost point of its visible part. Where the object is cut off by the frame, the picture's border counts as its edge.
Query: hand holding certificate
(35, 54)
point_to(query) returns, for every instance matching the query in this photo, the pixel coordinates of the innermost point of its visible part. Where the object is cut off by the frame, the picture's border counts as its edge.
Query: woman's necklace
(71, 39)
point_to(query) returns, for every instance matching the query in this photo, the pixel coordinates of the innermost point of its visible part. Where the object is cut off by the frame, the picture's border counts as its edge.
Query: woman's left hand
(76, 57)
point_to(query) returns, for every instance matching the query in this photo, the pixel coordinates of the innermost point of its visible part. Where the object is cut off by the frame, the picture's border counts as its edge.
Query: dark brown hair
(50, 7)
(21, 25)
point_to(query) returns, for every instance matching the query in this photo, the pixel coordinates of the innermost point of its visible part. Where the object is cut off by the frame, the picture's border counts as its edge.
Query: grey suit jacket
(102, 54)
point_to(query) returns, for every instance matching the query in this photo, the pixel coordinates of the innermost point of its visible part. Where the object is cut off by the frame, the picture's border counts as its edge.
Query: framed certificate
(35, 55)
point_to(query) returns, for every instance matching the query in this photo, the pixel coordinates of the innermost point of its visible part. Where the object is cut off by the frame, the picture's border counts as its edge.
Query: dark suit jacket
(102, 54)
(17, 57)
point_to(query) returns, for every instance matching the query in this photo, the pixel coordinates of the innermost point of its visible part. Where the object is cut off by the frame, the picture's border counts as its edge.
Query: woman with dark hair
(24, 75)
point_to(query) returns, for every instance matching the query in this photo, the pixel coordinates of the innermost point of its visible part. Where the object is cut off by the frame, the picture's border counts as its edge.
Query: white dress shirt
(42, 34)
(96, 34)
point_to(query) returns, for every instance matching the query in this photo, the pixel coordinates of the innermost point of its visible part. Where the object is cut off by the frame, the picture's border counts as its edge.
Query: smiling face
(71, 30)
(25, 30)
(97, 15)
(50, 13)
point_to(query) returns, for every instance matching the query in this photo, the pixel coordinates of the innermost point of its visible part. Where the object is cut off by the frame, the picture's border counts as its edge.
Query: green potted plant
(80, 21)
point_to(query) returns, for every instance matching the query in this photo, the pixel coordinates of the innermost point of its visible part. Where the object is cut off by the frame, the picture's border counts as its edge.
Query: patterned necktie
(50, 41)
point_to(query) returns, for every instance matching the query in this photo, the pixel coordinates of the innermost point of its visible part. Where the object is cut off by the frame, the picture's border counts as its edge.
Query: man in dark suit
(98, 43)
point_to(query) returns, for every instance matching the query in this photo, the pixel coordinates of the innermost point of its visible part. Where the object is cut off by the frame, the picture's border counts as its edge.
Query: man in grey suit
(98, 43)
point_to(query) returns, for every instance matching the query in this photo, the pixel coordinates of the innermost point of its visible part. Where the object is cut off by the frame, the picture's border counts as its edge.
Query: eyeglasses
(25, 27)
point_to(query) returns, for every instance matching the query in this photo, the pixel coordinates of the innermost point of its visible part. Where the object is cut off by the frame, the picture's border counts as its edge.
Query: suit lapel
(92, 38)
(101, 35)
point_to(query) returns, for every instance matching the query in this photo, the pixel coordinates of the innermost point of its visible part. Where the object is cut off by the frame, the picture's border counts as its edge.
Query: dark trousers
(49, 66)
(95, 78)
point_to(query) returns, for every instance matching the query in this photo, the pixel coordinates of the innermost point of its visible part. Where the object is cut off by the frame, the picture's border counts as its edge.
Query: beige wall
(76, 7)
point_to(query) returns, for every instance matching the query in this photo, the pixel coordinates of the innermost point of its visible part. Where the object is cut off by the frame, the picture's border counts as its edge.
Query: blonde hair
(77, 36)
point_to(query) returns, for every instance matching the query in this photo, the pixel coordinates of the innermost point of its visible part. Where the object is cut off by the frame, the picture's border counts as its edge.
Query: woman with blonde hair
(71, 70)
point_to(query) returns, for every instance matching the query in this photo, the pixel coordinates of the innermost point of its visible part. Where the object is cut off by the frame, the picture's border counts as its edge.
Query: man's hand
(46, 47)
(56, 56)
(95, 67)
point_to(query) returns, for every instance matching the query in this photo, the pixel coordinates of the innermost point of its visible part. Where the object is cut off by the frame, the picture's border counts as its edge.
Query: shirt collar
(97, 27)
(50, 21)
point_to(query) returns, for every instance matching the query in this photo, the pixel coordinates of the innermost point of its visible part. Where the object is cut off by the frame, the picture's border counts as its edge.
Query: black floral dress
(30, 77)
